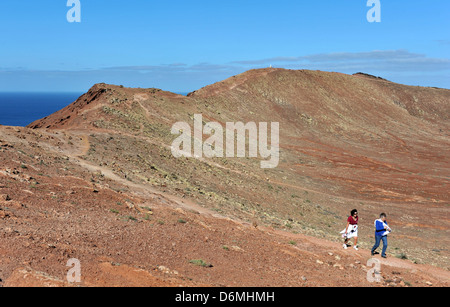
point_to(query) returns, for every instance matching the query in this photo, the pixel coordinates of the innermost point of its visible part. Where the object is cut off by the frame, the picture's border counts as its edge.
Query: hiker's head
(383, 216)
(354, 213)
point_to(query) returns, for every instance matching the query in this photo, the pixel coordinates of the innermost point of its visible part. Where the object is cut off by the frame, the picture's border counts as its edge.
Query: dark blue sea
(21, 109)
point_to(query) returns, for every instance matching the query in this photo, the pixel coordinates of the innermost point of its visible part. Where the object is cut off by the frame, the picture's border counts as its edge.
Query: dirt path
(305, 243)
(142, 190)
(423, 270)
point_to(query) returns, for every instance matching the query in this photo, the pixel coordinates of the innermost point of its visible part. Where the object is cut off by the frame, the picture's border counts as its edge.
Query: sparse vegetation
(130, 218)
(201, 263)
(133, 144)
(402, 256)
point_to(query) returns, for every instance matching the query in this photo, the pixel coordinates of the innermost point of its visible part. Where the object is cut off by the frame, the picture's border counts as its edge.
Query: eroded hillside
(346, 142)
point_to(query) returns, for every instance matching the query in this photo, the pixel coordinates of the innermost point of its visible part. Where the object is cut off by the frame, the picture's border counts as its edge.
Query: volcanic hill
(97, 181)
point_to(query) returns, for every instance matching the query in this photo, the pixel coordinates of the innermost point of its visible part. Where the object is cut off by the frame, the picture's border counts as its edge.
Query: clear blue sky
(184, 45)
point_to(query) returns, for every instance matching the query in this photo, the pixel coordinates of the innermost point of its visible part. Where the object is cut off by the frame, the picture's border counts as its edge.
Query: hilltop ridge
(97, 181)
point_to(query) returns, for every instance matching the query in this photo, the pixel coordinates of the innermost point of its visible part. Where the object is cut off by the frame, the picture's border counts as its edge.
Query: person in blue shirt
(381, 232)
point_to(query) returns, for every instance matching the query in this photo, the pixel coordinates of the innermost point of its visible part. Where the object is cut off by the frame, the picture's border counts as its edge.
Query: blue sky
(183, 45)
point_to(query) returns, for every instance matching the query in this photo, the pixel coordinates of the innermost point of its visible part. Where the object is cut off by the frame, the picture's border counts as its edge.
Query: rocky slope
(97, 181)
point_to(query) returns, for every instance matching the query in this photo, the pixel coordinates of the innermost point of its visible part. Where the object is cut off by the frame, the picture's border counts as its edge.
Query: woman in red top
(351, 231)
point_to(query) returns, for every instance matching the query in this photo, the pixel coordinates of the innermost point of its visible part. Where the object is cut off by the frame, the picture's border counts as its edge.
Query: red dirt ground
(96, 181)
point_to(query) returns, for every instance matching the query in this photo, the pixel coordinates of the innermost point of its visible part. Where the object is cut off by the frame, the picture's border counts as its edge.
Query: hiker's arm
(346, 228)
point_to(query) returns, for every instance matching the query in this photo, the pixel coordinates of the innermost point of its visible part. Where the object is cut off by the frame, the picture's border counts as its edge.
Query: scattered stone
(5, 144)
(4, 197)
(164, 269)
(3, 214)
(319, 262)
(236, 248)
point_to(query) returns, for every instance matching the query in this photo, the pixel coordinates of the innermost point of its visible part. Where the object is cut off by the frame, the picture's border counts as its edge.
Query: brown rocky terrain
(97, 181)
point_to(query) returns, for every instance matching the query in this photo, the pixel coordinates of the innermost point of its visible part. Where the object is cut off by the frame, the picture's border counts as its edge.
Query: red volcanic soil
(97, 181)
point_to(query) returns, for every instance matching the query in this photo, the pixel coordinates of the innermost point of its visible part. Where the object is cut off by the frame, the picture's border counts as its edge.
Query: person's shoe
(344, 246)
(355, 247)
(384, 256)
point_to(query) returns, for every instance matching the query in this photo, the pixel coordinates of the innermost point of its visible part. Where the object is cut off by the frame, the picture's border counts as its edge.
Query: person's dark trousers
(378, 239)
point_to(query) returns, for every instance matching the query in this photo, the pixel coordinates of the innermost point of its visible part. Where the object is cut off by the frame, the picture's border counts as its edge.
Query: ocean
(21, 109)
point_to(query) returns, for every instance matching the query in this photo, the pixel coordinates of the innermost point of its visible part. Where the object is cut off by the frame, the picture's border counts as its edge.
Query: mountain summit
(102, 169)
